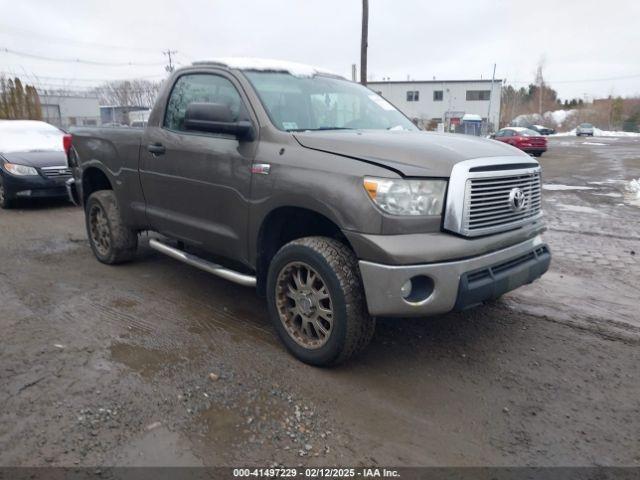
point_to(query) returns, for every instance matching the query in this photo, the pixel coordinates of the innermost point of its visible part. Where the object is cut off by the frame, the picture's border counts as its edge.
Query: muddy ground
(156, 363)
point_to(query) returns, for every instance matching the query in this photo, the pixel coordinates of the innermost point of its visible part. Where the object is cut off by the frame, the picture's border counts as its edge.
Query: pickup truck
(317, 192)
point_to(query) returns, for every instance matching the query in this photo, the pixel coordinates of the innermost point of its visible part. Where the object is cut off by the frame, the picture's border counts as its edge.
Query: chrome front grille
(56, 172)
(490, 203)
(491, 195)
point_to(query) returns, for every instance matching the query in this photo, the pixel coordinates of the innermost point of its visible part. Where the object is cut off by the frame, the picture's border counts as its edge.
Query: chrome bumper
(449, 281)
(72, 192)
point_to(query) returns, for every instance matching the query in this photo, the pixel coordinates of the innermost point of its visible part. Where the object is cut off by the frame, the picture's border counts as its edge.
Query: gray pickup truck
(318, 192)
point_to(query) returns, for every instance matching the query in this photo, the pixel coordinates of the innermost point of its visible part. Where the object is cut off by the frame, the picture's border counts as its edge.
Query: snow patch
(599, 133)
(29, 136)
(580, 209)
(634, 187)
(609, 194)
(560, 187)
(594, 143)
(268, 65)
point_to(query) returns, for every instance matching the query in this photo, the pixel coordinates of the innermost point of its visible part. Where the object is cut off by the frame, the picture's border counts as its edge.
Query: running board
(214, 268)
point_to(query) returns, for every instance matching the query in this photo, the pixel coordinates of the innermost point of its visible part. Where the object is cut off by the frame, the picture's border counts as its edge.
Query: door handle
(156, 149)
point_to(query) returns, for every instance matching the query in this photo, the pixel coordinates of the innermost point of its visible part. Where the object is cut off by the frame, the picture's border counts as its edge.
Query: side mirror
(216, 118)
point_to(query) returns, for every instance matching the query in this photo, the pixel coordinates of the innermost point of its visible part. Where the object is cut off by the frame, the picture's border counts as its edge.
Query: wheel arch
(285, 224)
(94, 178)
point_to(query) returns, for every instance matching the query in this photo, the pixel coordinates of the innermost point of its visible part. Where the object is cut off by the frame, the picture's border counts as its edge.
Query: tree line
(18, 101)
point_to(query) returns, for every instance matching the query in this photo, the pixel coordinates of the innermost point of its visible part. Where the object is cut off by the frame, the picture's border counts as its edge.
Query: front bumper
(33, 186)
(453, 285)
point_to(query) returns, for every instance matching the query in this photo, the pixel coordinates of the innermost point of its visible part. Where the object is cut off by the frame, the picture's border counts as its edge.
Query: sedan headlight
(20, 169)
(407, 197)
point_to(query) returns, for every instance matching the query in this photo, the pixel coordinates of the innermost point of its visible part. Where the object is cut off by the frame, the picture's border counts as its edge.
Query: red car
(523, 138)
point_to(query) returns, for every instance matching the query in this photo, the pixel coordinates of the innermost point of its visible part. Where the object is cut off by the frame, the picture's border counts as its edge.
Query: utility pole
(364, 42)
(493, 78)
(169, 68)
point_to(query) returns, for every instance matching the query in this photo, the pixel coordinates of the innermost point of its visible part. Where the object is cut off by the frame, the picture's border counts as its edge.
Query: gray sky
(589, 47)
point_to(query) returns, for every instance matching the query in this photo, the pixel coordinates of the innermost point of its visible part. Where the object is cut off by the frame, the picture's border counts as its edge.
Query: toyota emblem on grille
(517, 200)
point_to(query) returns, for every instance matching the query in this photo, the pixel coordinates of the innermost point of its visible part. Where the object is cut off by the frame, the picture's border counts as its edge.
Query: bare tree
(364, 42)
(128, 93)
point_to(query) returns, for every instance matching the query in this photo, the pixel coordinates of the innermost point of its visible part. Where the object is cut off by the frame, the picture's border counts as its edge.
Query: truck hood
(36, 159)
(411, 154)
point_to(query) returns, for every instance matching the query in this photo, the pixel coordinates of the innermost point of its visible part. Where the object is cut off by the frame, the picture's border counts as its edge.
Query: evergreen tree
(18, 102)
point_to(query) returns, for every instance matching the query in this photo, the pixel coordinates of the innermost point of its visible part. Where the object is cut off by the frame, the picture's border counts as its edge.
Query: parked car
(525, 139)
(585, 129)
(318, 192)
(541, 129)
(33, 160)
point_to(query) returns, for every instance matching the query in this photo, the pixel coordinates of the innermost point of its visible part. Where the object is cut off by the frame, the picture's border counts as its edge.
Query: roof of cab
(268, 65)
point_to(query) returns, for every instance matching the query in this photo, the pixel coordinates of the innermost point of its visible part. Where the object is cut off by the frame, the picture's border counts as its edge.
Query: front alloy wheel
(304, 305)
(99, 230)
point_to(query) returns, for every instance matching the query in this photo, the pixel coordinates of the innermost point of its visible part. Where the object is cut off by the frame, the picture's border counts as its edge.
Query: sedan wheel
(5, 201)
(304, 305)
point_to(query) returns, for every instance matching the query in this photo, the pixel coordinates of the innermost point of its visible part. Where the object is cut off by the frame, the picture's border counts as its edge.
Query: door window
(200, 87)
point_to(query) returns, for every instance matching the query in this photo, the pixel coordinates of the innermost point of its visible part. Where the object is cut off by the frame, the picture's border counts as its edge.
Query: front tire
(111, 241)
(316, 301)
(5, 200)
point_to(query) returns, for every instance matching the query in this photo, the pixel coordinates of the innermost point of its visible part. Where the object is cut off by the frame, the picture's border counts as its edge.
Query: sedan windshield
(296, 103)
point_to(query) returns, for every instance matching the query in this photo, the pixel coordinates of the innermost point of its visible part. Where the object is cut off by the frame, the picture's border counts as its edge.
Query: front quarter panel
(328, 184)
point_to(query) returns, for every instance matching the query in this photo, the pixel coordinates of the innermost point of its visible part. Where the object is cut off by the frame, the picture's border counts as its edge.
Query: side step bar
(202, 264)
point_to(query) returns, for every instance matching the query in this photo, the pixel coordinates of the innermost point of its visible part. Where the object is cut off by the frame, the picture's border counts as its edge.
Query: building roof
(482, 80)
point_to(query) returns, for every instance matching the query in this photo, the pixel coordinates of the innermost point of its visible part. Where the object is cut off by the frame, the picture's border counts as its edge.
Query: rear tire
(111, 240)
(5, 201)
(316, 301)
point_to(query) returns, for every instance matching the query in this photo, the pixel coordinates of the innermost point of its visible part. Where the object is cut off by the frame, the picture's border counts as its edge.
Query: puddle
(560, 187)
(223, 425)
(146, 361)
(157, 448)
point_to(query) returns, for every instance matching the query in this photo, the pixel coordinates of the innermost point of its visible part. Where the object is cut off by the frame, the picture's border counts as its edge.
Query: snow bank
(268, 65)
(559, 116)
(555, 117)
(559, 187)
(599, 133)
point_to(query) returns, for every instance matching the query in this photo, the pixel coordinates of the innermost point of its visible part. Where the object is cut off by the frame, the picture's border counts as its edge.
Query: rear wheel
(111, 240)
(316, 301)
(5, 201)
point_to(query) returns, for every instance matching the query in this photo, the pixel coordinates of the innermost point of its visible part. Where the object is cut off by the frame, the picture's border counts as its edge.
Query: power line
(56, 39)
(74, 79)
(78, 60)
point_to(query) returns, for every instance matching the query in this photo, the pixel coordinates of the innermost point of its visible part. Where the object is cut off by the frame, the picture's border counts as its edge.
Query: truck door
(196, 184)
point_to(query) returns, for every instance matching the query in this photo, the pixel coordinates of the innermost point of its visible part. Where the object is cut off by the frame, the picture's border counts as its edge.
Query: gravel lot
(156, 363)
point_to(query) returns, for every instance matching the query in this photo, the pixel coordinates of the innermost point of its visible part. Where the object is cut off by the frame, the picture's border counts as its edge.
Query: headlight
(407, 197)
(20, 169)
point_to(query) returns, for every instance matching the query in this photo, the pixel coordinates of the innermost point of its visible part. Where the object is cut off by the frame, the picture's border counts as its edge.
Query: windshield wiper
(318, 129)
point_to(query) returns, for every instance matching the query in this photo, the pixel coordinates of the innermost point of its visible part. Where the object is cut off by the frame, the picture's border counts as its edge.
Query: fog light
(417, 289)
(405, 290)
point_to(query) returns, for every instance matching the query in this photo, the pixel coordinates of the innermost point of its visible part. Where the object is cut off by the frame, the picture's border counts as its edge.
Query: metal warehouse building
(69, 110)
(429, 102)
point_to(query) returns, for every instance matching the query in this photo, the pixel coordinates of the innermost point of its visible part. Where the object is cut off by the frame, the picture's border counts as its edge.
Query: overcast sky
(589, 47)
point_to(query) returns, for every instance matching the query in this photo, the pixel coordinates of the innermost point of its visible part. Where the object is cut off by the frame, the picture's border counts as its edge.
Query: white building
(70, 110)
(443, 101)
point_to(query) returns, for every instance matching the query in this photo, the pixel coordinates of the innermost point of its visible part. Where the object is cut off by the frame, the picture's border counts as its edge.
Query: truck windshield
(323, 103)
